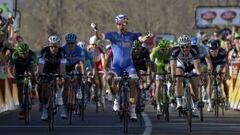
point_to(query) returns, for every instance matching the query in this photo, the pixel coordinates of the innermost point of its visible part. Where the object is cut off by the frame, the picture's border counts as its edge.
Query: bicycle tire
(201, 104)
(83, 102)
(26, 106)
(189, 109)
(71, 103)
(125, 111)
(165, 103)
(51, 114)
(139, 106)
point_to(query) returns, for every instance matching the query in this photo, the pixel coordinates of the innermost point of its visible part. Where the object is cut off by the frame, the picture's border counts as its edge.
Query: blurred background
(39, 18)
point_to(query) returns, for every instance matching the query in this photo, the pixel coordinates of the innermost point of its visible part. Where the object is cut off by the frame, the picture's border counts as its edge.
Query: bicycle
(165, 98)
(140, 98)
(124, 95)
(218, 100)
(27, 87)
(187, 98)
(51, 105)
(73, 103)
(201, 103)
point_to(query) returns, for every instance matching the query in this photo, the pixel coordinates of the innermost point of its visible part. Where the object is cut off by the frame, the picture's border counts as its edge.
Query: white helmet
(93, 40)
(184, 40)
(120, 18)
(54, 39)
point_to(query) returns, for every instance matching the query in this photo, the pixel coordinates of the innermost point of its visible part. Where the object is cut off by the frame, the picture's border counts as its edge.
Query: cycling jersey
(185, 62)
(52, 62)
(140, 58)
(121, 45)
(160, 58)
(23, 64)
(220, 60)
(88, 62)
(203, 52)
(96, 57)
(73, 57)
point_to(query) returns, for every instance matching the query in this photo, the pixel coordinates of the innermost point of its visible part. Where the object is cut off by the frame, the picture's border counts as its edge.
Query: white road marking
(148, 124)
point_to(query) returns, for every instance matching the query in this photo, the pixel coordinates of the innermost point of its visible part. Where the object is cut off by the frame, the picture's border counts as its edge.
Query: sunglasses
(185, 47)
(123, 24)
(213, 50)
(163, 49)
(53, 47)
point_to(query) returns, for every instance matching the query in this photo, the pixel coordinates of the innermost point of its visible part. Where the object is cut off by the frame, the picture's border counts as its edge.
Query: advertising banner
(206, 17)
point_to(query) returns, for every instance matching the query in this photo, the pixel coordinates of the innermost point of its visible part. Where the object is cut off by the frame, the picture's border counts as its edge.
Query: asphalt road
(108, 123)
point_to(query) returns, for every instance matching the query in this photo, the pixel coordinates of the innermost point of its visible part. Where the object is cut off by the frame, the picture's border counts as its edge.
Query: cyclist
(121, 44)
(205, 62)
(184, 58)
(22, 60)
(88, 64)
(75, 63)
(141, 60)
(160, 56)
(98, 58)
(52, 60)
(107, 67)
(219, 62)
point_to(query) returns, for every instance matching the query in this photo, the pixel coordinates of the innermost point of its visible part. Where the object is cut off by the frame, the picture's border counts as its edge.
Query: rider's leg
(195, 94)
(133, 91)
(158, 93)
(179, 88)
(209, 90)
(114, 87)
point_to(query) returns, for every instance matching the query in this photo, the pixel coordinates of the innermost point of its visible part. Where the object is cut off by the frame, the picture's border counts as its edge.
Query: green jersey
(160, 58)
(17, 60)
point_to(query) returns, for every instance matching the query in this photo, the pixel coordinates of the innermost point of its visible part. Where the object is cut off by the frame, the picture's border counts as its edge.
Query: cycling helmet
(82, 44)
(136, 43)
(54, 39)
(237, 35)
(194, 41)
(22, 48)
(71, 38)
(121, 18)
(184, 40)
(163, 43)
(214, 44)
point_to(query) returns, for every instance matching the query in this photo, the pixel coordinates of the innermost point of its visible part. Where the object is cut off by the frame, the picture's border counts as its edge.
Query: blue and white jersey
(74, 56)
(121, 45)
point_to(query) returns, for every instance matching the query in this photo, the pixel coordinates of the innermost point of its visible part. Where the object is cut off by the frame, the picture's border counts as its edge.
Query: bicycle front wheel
(189, 109)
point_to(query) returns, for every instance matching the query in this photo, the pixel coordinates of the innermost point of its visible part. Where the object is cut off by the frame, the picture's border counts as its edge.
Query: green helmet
(136, 43)
(22, 48)
(163, 43)
(237, 35)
